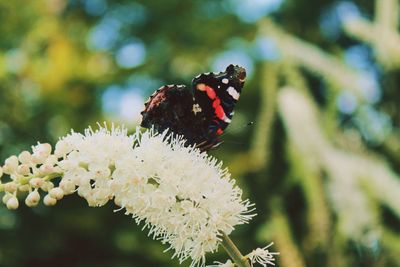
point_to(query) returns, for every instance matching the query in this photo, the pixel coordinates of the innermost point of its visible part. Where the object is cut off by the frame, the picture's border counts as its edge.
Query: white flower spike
(184, 197)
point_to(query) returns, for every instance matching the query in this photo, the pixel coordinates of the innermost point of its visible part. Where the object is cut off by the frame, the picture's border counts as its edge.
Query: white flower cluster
(30, 172)
(183, 196)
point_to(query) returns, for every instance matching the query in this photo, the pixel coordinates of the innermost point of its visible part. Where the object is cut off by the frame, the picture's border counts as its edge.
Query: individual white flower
(262, 256)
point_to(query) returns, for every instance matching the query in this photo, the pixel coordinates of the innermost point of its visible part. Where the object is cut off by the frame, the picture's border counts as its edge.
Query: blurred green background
(321, 161)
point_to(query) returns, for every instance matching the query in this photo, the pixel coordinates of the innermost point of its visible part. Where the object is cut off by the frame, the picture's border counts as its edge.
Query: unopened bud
(49, 201)
(36, 182)
(32, 199)
(12, 162)
(6, 197)
(25, 157)
(10, 187)
(38, 159)
(24, 188)
(56, 193)
(12, 203)
(47, 186)
(67, 186)
(46, 169)
(43, 150)
(23, 169)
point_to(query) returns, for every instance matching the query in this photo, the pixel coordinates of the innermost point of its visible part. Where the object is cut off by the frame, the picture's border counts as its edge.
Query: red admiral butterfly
(200, 115)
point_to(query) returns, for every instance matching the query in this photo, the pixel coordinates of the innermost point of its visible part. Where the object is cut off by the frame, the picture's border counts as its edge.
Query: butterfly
(200, 114)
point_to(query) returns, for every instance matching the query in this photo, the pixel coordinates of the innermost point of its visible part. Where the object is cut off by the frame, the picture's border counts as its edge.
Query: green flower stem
(233, 252)
(48, 177)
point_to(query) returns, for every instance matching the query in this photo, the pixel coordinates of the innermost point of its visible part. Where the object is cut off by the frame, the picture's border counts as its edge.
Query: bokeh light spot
(131, 55)
(95, 7)
(347, 102)
(252, 10)
(122, 104)
(236, 57)
(104, 35)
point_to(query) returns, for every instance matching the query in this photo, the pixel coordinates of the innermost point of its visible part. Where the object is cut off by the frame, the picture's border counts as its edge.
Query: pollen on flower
(184, 197)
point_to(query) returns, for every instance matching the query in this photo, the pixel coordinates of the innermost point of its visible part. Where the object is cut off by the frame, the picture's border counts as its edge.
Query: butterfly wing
(217, 95)
(172, 108)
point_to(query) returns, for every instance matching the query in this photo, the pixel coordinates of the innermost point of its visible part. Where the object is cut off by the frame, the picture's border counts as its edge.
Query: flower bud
(7, 169)
(6, 197)
(24, 188)
(46, 169)
(25, 157)
(38, 159)
(12, 161)
(36, 182)
(10, 187)
(49, 201)
(47, 186)
(43, 150)
(10, 165)
(23, 169)
(32, 199)
(12, 203)
(67, 186)
(56, 193)
(1, 171)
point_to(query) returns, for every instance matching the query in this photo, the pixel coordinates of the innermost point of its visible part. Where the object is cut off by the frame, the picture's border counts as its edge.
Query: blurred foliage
(321, 162)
